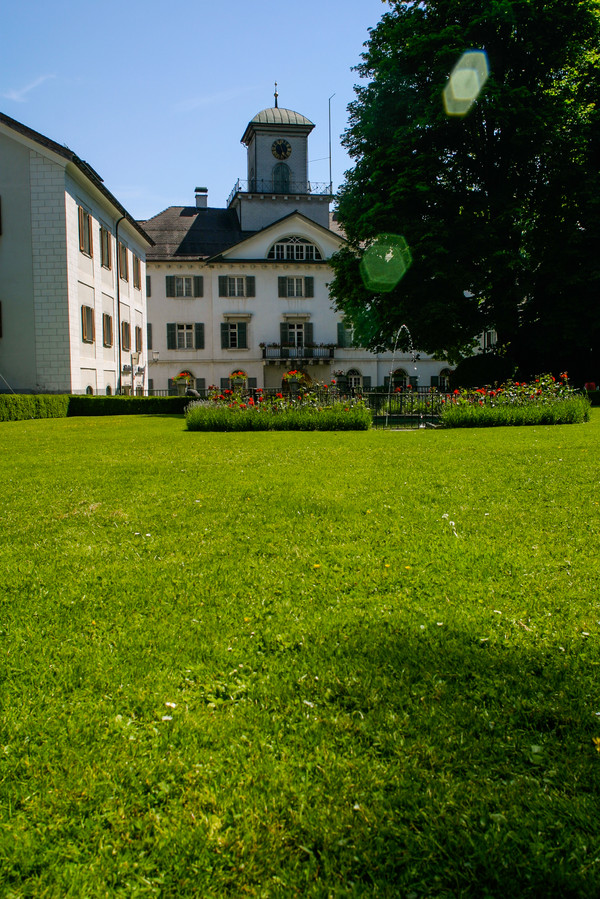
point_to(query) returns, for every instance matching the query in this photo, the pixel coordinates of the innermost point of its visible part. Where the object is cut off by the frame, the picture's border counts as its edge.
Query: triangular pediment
(295, 224)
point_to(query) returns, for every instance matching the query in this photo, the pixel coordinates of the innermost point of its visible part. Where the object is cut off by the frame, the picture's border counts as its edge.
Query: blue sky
(156, 97)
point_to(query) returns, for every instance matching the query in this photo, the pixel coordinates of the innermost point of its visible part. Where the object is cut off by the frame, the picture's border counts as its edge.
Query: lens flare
(385, 262)
(466, 82)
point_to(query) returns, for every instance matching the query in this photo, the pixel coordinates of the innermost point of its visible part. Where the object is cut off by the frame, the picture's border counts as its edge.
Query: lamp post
(135, 359)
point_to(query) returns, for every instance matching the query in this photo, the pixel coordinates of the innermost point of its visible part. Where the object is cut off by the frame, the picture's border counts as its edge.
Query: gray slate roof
(186, 232)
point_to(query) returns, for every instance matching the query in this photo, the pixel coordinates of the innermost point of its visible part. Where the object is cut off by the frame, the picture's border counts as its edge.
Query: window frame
(237, 327)
(246, 282)
(123, 262)
(107, 329)
(126, 336)
(105, 248)
(86, 236)
(136, 271)
(88, 329)
(295, 249)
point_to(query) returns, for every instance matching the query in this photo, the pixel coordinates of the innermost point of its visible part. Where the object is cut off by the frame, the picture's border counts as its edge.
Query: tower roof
(276, 116)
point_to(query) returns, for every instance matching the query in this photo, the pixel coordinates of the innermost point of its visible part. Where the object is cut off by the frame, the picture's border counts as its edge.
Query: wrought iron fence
(408, 409)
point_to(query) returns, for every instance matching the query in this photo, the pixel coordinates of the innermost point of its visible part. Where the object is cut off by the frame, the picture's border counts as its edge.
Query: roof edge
(84, 167)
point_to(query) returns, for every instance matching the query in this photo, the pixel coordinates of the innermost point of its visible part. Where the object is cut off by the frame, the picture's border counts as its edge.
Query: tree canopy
(501, 207)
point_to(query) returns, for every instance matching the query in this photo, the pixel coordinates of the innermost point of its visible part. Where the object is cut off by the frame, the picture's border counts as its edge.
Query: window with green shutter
(234, 335)
(199, 335)
(184, 286)
(237, 286)
(295, 287)
(149, 335)
(172, 336)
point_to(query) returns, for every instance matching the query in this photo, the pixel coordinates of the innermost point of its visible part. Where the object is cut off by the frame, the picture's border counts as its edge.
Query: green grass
(381, 647)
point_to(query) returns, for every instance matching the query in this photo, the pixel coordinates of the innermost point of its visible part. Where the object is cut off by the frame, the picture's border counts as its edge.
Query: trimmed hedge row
(18, 407)
(335, 417)
(127, 405)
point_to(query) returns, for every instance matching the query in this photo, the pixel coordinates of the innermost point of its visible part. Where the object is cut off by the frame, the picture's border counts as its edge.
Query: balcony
(274, 187)
(315, 355)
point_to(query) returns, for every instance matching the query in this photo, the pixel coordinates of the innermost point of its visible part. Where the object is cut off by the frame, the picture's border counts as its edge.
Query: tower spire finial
(276, 95)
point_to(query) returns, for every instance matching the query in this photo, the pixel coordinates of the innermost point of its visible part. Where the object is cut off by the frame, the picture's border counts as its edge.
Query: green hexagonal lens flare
(466, 82)
(385, 262)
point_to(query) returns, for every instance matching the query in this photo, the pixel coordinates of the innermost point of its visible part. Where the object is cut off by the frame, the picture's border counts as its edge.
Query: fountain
(413, 357)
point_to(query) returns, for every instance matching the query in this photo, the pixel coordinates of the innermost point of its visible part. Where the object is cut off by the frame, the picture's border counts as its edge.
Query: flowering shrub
(545, 400)
(235, 410)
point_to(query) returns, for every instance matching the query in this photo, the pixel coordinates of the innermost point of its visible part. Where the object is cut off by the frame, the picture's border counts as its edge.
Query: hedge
(18, 407)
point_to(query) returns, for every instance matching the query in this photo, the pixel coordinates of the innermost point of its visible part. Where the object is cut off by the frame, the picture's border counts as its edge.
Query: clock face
(280, 149)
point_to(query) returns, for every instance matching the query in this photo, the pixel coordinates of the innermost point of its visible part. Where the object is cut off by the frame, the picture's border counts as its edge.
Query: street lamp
(135, 360)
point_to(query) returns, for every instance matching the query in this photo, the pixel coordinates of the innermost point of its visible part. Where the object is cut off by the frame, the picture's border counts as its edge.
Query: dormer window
(294, 249)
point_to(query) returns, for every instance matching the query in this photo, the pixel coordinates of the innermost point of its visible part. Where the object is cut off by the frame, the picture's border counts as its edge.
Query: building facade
(245, 288)
(72, 274)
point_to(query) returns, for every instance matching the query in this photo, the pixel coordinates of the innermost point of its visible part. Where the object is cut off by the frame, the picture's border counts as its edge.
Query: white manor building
(72, 274)
(245, 288)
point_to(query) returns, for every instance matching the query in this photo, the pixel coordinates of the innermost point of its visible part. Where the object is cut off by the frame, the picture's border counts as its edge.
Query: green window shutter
(309, 287)
(200, 383)
(308, 333)
(242, 335)
(199, 335)
(224, 336)
(252, 382)
(224, 383)
(223, 292)
(435, 381)
(341, 335)
(367, 382)
(148, 286)
(250, 286)
(386, 382)
(149, 335)
(170, 285)
(283, 333)
(198, 285)
(171, 336)
(171, 389)
(282, 286)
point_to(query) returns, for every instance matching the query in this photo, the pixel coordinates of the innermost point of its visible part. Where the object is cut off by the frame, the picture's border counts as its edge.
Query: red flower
(333, 380)
(242, 405)
(398, 390)
(250, 402)
(456, 392)
(279, 396)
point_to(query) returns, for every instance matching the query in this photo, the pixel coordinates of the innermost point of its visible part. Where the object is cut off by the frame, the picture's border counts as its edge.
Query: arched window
(444, 382)
(89, 390)
(354, 379)
(399, 378)
(108, 390)
(294, 249)
(281, 178)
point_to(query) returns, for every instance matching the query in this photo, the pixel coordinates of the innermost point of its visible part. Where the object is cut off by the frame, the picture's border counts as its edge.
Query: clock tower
(277, 180)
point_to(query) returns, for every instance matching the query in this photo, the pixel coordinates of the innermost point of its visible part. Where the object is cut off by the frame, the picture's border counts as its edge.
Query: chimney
(201, 197)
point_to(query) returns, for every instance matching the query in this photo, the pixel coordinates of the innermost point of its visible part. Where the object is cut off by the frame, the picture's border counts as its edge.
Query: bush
(20, 406)
(485, 368)
(544, 402)
(209, 416)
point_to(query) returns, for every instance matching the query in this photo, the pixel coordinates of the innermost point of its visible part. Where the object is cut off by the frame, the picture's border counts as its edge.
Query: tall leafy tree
(500, 208)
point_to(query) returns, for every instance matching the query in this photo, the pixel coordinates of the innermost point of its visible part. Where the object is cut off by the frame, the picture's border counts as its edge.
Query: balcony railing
(271, 186)
(280, 353)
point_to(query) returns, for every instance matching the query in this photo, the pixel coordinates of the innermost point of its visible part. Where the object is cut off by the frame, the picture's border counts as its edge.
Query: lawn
(298, 664)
